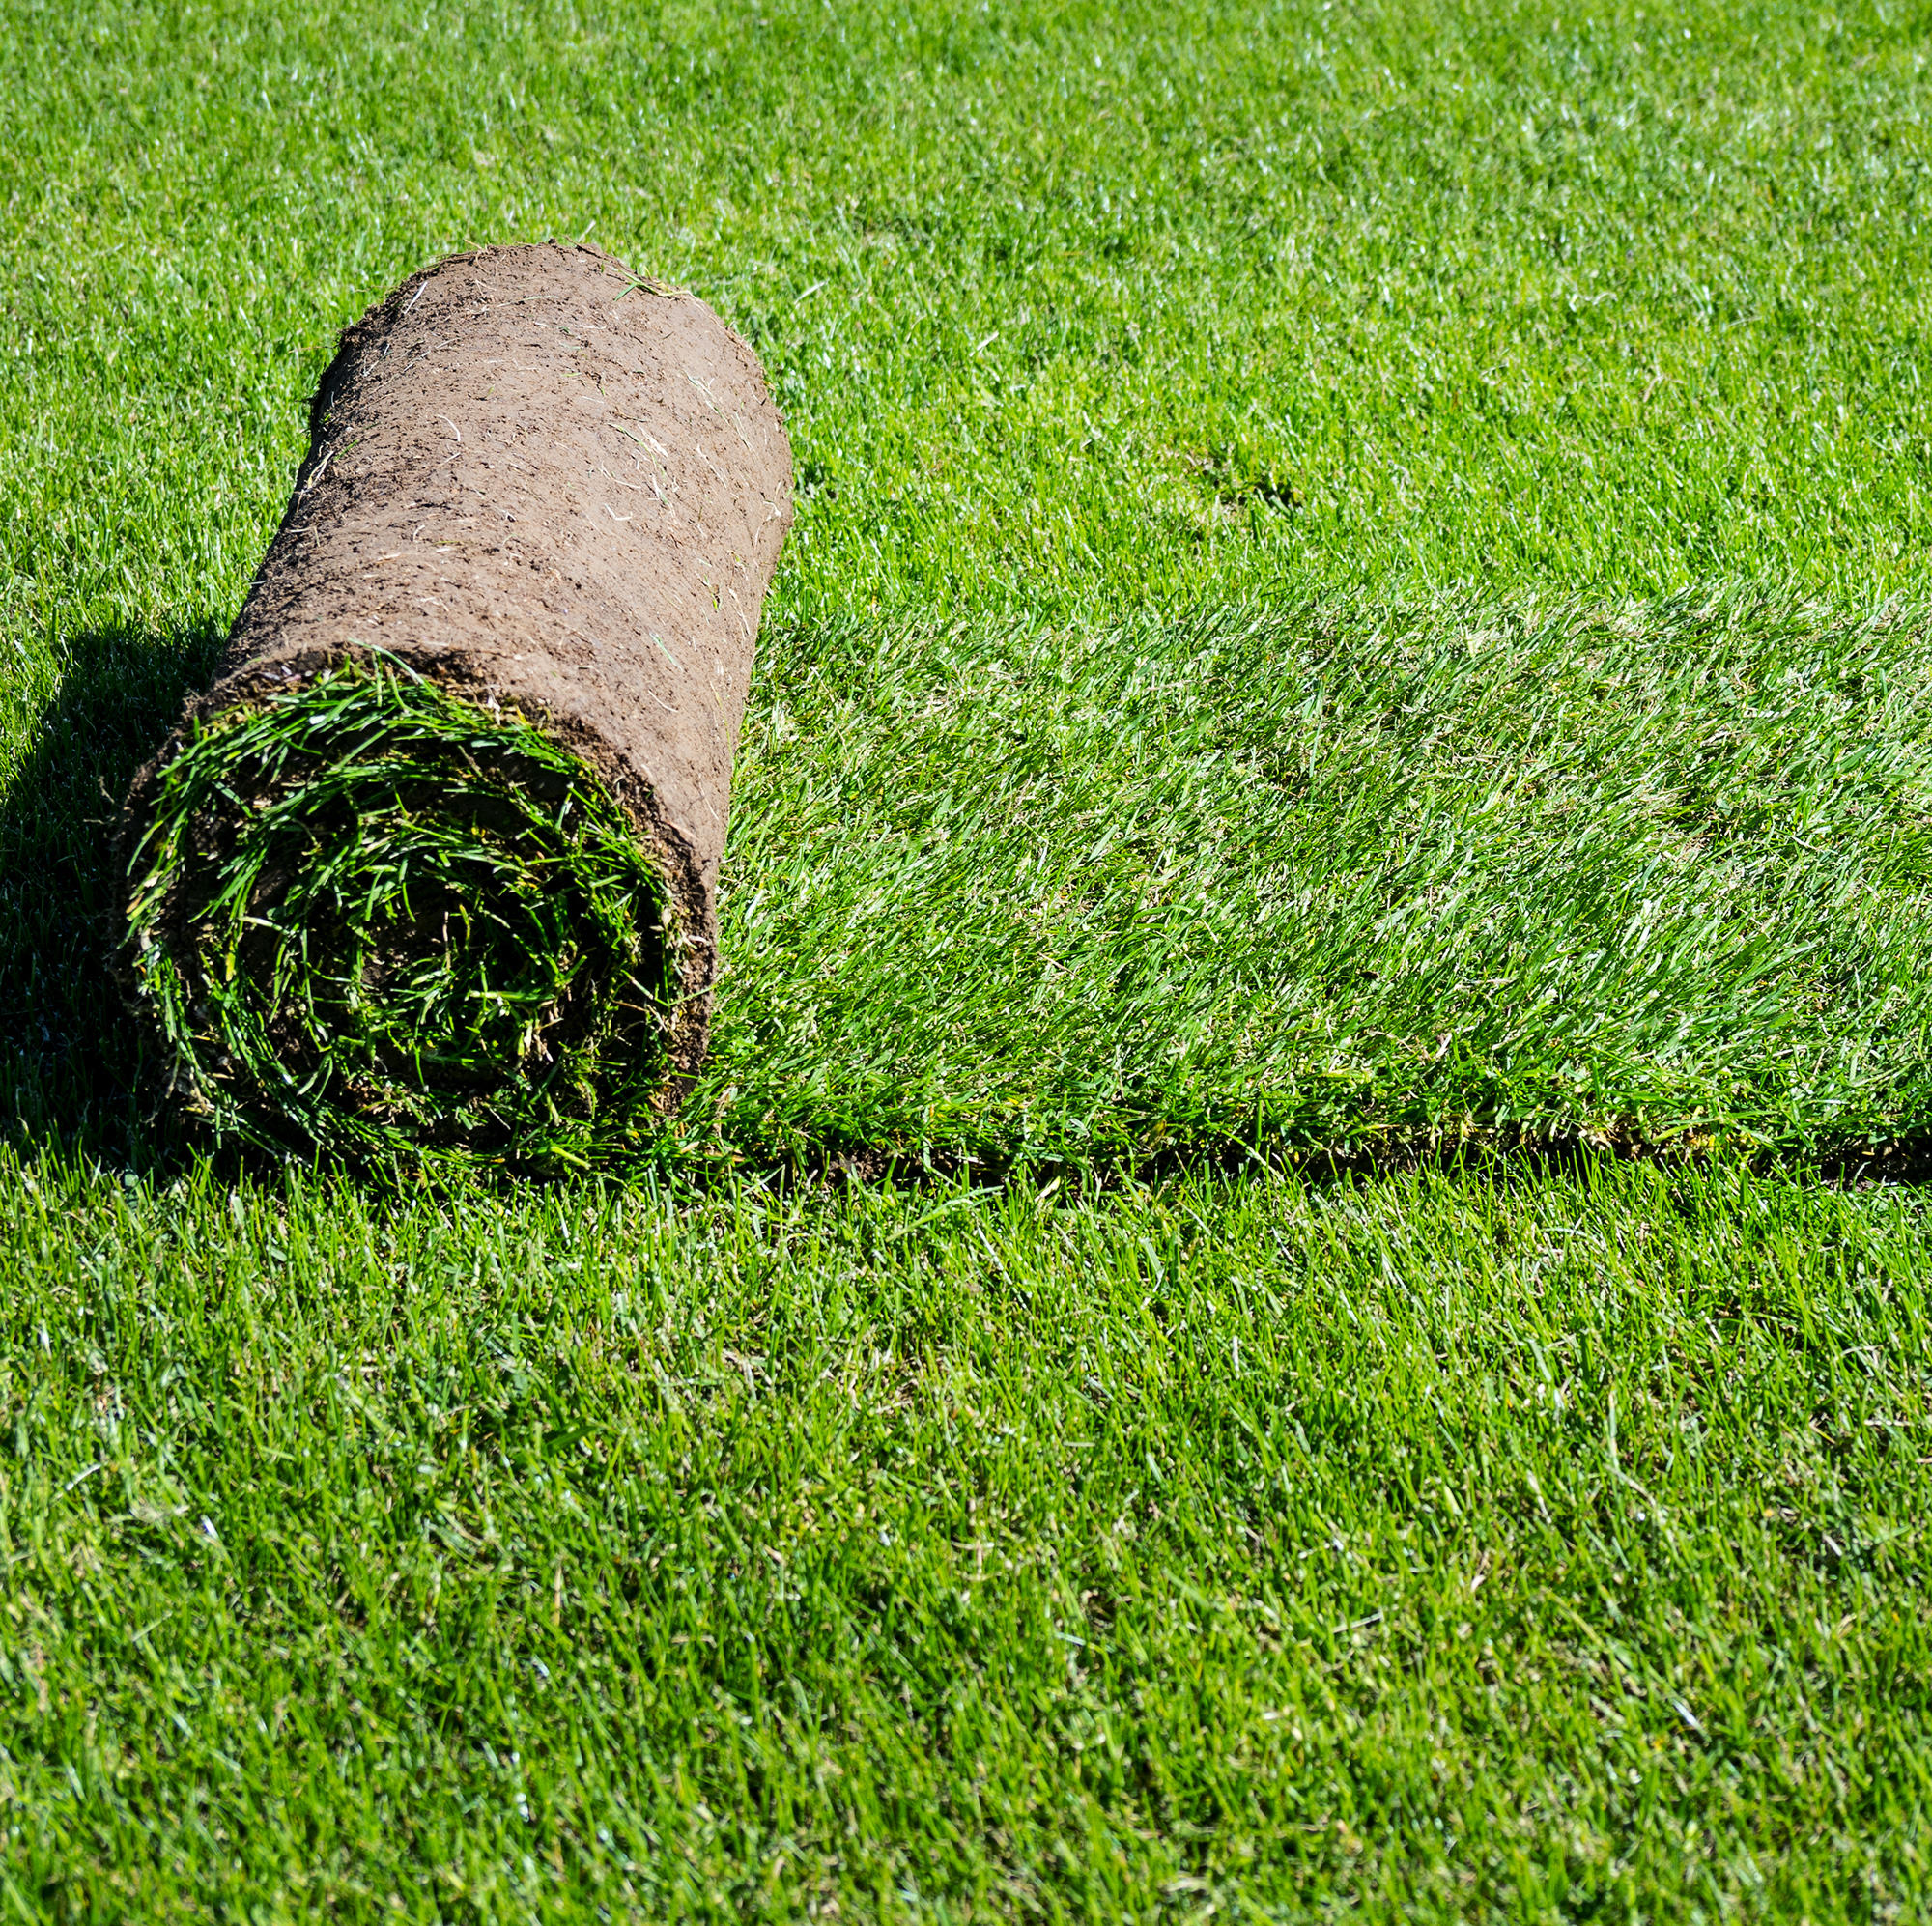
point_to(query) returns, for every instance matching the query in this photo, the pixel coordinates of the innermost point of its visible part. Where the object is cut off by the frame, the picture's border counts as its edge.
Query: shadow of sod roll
(430, 871)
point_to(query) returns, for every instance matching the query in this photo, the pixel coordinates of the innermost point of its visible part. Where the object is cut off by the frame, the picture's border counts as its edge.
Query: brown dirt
(549, 486)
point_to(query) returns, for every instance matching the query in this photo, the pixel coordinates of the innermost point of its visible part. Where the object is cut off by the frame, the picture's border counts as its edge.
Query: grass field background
(1358, 584)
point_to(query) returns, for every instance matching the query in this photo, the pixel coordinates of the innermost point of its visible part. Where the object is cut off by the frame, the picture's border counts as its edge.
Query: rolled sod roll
(432, 867)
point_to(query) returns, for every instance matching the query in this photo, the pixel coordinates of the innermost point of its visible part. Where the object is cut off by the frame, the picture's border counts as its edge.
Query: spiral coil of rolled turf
(430, 871)
(423, 928)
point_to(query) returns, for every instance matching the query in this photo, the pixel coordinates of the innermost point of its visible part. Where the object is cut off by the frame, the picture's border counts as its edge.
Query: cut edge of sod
(368, 918)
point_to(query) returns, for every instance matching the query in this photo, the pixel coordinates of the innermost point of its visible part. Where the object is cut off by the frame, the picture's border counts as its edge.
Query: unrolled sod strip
(431, 868)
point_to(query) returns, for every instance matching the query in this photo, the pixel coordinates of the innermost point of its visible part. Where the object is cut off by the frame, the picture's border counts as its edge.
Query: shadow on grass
(70, 1061)
(1494, 1159)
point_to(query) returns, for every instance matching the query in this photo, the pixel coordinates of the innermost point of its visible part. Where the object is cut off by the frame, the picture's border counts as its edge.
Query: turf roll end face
(430, 871)
(371, 918)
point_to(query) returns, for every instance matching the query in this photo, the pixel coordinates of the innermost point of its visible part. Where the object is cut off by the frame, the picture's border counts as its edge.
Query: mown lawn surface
(1358, 585)
(1545, 1549)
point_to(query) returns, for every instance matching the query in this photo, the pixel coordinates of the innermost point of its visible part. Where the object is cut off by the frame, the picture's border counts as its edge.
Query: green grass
(1359, 583)
(1306, 879)
(371, 920)
(1544, 1549)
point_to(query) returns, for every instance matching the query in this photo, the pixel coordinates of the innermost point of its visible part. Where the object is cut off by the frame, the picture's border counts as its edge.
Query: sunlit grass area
(1358, 589)
(1446, 1547)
